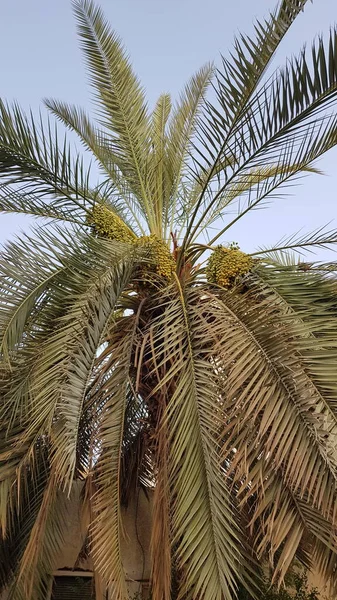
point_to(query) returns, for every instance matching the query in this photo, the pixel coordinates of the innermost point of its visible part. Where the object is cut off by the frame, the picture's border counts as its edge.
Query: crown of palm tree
(136, 354)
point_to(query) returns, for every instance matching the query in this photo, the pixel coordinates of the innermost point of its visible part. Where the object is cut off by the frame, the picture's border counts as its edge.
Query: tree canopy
(141, 347)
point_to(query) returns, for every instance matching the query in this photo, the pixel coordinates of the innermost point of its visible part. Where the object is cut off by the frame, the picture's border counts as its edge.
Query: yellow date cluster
(226, 264)
(105, 223)
(158, 254)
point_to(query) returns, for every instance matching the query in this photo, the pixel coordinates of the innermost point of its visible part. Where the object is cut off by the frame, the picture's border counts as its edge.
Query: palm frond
(86, 266)
(286, 122)
(292, 428)
(137, 463)
(13, 201)
(204, 529)
(22, 508)
(161, 535)
(282, 519)
(59, 394)
(100, 144)
(74, 343)
(80, 366)
(181, 131)
(29, 581)
(93, 138)
(250, 58)
(106, 529)
(260, 181)
(309, 242)
(237, 82)
(25, 279)
(311, 297)
(158, 167)
(34, 575)
(32, 154)
(122, 106)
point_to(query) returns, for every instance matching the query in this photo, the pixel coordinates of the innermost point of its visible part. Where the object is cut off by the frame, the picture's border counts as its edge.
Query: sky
(168, 40)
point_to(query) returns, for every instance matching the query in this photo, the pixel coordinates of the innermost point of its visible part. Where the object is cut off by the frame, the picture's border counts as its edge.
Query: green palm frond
(25, 279)
(181, 131)
(22, 508)
(237, 83)
(319, 238)
(260, 180)
(250, 58)
(90, 264)
(99, 142)
(33, 155)
(285, 123)
(275, 424)
(160, 177)
(13, 201)
(204, 527)
(67, 342)
(78, 369)
(122, 106)
(33, 576)
(266, 188)
(161, 534)
(94, 138)
(105, 530)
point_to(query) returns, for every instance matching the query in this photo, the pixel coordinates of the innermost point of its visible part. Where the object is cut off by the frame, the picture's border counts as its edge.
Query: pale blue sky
(168, 40)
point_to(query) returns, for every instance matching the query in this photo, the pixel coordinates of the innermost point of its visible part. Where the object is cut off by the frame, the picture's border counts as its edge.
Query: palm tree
(140, 348)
